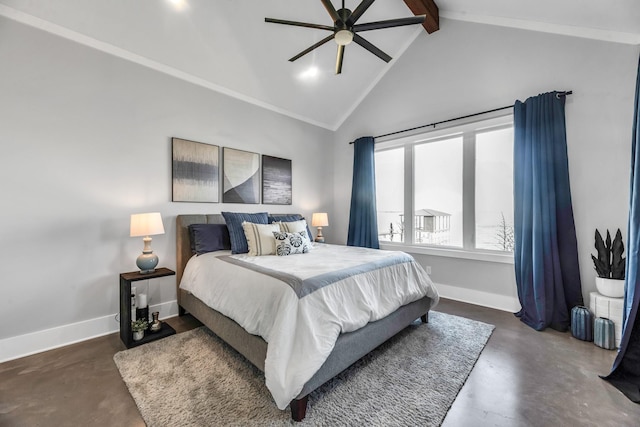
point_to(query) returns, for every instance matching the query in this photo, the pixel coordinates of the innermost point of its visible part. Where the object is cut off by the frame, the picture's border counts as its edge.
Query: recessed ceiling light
(178, 4)
(310, 73)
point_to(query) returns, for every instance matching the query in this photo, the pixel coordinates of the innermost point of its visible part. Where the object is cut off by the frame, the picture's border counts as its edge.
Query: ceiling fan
(345, 30)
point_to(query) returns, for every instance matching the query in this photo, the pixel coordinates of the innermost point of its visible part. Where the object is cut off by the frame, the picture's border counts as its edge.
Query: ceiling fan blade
(339, 59)
(309, 49)
(332, 10)
(362, 8)
(371, 48)
(390, 23)
(298, 24)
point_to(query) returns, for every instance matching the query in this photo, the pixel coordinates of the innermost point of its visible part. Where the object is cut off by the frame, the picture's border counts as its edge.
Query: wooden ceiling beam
(429, 8)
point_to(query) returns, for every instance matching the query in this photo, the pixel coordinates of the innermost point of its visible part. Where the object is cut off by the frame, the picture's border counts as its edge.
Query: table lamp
(146, 224)
(319, 220)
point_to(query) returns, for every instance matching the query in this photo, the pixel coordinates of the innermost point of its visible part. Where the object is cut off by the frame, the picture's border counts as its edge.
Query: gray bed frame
(349, 347)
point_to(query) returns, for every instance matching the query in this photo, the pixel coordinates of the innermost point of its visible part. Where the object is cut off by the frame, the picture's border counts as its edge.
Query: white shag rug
(195, 379)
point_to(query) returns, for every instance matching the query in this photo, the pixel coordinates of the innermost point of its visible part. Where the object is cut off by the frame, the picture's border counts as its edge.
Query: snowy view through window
(390, 194)
(438, 184)
(494, 190)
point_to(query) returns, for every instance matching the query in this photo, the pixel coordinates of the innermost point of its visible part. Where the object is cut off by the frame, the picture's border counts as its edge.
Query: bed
(348, 348)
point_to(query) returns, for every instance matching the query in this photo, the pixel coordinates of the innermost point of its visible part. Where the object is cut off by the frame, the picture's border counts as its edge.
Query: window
(494, 190)
(390, 201)
(455, 184)
(438, 192)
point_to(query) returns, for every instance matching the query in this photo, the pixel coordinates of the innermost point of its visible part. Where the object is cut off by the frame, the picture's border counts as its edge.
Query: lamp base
(147, 262)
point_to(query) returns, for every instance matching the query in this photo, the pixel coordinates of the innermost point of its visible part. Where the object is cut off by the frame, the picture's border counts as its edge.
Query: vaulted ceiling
(225, 45)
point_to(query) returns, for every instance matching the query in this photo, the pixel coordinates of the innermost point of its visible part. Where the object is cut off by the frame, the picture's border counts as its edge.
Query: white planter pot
(138, 335)
(612, 288)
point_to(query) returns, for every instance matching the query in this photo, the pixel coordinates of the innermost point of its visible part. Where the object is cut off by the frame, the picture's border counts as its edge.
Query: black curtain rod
(559, 94)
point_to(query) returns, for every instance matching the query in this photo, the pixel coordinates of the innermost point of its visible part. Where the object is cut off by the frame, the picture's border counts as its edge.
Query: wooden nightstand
(126, 335)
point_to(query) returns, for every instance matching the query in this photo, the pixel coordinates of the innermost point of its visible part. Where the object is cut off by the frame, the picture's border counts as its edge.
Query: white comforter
(302, 330)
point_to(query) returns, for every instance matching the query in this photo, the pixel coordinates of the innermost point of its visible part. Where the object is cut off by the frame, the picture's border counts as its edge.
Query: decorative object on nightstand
(146, 224)
(126, 333)
(610, 265)
(138, 327)
(156, 324)
(320, 220)
(133, 304)
(142, 309)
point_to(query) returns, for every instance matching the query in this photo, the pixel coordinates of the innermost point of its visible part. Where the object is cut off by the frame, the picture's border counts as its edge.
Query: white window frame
(468, 131)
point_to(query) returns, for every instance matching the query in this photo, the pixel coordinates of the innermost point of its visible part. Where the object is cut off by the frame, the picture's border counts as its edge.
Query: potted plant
(138, 327)
(610, 265)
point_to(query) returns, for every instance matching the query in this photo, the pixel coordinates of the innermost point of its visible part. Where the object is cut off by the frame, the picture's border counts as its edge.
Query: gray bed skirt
(349, 347)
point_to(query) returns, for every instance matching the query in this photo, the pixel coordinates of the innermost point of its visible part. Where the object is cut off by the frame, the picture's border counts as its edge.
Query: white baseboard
(60, 336)
(48, 339)
(485, 299)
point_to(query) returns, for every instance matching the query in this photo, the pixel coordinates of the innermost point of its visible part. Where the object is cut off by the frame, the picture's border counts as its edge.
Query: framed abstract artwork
(276, 181)
(195, 171)
(241, 172)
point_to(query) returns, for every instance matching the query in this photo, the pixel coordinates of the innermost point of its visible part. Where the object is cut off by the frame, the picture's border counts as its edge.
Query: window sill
(498, 257)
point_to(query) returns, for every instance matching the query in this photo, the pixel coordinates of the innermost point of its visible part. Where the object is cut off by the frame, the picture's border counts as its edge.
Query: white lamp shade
(146, 224)
(320, 220)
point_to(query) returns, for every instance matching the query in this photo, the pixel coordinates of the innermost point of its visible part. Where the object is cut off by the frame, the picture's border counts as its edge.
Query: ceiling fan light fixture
(343, 37)
(345, 29)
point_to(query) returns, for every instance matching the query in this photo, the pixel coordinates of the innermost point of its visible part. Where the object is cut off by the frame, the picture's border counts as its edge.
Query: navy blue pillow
(234, 221)
(289, 218)
(209, 238)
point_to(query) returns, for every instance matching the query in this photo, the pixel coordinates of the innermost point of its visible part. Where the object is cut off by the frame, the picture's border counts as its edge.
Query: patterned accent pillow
(234, 222)
(292, 243)
(260, 238)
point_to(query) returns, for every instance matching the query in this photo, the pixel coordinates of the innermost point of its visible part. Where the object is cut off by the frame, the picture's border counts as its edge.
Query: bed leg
(425, 317)
(299, 408)
(181, 311)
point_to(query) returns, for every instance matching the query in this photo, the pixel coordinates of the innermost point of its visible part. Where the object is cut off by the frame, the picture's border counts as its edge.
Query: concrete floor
(523, 378)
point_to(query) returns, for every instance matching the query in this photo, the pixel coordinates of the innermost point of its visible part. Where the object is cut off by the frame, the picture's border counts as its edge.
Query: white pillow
(260, 238)
(292, 243)
(293, 226)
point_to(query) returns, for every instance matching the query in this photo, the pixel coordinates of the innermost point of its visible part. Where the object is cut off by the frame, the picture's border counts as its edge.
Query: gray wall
(466, 68)
(86, 141)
